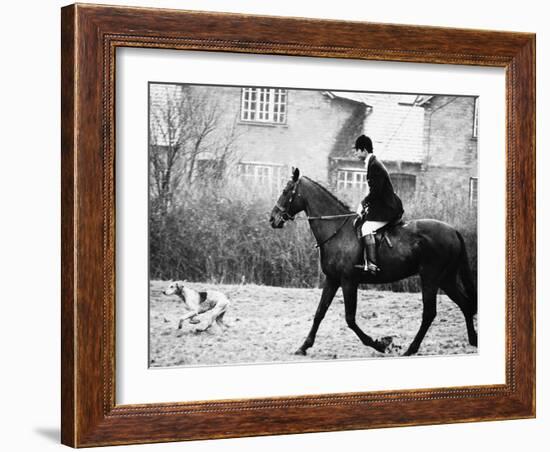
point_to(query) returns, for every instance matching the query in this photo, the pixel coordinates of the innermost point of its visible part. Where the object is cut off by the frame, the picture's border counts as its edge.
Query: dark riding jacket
(381, 204)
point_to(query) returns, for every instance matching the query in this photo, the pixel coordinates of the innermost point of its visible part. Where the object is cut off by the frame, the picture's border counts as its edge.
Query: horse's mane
(318, 185)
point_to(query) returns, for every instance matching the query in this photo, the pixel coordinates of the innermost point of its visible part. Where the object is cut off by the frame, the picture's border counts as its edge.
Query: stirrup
(371, 267)
(368, 268)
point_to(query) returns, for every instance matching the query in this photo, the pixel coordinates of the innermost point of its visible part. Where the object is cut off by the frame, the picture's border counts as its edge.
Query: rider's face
(361, 154)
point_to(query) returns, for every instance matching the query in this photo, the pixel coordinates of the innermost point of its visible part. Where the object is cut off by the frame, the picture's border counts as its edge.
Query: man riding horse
(380, 206)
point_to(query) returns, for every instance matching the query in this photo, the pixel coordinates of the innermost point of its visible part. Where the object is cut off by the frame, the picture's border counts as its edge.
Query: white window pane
(264, 105)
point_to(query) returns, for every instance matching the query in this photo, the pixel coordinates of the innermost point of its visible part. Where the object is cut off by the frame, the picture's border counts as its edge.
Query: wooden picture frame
(90, 36)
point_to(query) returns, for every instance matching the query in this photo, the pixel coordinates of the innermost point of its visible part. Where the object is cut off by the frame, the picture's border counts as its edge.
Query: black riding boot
(370, 253)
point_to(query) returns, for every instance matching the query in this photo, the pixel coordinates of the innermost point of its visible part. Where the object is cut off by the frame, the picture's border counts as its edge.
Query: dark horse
(430, 248)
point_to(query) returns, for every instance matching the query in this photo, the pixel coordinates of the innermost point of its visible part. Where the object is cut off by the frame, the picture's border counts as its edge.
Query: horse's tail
(465, 273)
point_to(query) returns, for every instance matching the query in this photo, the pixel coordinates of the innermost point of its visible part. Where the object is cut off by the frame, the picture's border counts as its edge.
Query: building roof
(395, 123)
(349, 96)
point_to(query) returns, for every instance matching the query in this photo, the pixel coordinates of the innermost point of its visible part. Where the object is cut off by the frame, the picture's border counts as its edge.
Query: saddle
(381, 234)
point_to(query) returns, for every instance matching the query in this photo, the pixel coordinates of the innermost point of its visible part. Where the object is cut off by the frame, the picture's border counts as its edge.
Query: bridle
(283, 211)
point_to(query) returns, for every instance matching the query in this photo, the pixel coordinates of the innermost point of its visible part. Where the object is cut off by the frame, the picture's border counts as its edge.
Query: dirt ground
(268, 324)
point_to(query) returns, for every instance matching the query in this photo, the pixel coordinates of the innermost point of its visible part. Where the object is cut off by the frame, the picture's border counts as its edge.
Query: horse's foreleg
(429, 300)
(350, 302)
(329, 290)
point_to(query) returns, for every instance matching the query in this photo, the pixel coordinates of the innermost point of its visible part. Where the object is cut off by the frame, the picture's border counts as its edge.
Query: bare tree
(186, 125)
(204, 124)
(168, 132)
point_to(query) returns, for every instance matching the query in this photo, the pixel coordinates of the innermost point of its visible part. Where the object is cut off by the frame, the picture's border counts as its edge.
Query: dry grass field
(268, 324)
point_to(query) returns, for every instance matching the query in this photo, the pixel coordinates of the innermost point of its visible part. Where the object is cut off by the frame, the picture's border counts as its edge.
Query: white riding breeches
(369, 227)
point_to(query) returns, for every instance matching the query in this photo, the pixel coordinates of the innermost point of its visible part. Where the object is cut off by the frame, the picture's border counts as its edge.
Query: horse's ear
(295, 174)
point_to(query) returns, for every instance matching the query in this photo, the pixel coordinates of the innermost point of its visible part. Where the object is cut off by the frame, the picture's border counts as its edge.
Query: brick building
(422, 140)
(450, 142)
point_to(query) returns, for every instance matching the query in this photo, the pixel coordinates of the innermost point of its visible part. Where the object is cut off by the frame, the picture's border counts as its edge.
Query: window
(473, 192)
(403, 184)
(476, 117)
(264, 105)
(352, 180)
(263, 175)
(356, 181)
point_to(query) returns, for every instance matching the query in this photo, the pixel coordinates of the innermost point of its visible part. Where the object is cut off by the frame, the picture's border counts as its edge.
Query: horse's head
(289, 203)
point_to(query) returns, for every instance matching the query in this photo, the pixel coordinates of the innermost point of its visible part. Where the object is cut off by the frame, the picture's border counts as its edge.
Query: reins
(319, 245)
(347, 216)
(286, 216)
(327, 217)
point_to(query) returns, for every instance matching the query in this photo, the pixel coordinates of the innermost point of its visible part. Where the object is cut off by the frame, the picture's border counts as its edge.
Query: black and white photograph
(303, 224)
(267, 226)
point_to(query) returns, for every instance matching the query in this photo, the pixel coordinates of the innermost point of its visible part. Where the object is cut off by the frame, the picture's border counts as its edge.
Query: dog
(212, 301)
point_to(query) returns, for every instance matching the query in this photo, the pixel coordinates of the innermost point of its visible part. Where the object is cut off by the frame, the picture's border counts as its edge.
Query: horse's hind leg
(429, 301)
(466, 305)
(329, 290)
(350, 302)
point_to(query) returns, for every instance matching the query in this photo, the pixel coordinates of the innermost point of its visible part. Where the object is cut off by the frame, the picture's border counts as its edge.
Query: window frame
(475, 124)
(269, 108)
(356, 184)
(473, 187)
(274, 174)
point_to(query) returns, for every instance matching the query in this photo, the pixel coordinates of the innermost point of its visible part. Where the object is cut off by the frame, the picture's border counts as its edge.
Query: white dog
(198, 303)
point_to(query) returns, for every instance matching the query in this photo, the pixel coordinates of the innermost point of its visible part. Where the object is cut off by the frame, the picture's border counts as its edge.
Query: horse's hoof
(394, 349)
(383, 343)
(300, 352)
